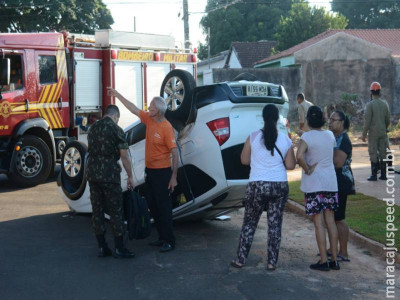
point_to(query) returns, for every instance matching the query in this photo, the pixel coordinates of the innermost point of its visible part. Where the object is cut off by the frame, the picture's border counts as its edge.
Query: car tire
(73, 170)
(32, 164)
(72, 161)
(177, 90)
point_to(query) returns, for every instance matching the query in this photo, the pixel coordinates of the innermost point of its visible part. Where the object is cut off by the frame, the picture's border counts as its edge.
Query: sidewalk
(377, 189)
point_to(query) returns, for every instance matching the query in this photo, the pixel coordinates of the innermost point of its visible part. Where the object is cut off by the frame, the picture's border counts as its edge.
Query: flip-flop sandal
(273, 268)
(342, 258)
(235, 264)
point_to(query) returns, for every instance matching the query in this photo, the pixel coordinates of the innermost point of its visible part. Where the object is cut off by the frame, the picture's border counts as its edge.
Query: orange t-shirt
(160, 139)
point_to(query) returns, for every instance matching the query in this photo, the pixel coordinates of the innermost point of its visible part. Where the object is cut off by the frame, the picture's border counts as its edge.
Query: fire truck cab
(53, 87)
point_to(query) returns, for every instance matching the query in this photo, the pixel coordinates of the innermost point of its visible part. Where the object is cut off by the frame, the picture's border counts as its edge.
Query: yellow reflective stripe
(49, 101)
(58, 94)
(42, 97)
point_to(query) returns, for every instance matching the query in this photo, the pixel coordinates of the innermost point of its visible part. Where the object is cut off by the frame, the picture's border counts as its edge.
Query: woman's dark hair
(343, 117)
(315, 117)
(271, 117)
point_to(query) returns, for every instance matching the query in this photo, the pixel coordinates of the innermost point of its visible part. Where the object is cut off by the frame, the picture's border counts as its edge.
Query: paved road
(46, 253)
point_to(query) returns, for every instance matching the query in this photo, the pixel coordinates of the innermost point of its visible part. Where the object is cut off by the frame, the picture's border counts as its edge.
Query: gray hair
(159, 102)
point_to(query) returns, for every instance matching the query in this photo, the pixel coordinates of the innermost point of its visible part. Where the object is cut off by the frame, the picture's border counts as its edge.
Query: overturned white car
(212, 123)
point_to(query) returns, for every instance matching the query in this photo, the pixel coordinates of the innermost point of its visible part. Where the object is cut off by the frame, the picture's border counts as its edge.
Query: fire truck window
(16, 74)
(47, 69)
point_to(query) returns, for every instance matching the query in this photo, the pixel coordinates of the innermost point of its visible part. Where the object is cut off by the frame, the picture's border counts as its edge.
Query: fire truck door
(53, 104)
(15, 103)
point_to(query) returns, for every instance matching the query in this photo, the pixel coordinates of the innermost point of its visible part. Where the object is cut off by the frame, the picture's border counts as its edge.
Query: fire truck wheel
(31, 165)
(72, 162)
(177, 90)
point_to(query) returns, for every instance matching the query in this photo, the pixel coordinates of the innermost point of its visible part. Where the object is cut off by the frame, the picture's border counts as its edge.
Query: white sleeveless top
(320, 146)
(264, 166)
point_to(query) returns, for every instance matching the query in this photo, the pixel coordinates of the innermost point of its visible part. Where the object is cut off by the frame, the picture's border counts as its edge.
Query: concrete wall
(288, 77)
(343, 63)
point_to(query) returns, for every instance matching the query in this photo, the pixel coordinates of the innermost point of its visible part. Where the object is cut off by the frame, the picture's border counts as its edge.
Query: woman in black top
(339, 124)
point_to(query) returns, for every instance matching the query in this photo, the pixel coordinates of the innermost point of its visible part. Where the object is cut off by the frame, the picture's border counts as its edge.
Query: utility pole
(209, 48)
(186, 23)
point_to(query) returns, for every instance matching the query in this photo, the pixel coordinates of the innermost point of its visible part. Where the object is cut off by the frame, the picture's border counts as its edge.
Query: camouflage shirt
(105, 139)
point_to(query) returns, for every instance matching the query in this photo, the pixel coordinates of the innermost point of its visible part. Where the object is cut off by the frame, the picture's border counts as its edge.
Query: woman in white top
(319, 184)
(269, 153)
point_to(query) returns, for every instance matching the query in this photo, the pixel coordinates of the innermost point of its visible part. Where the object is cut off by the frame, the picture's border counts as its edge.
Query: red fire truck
(53, 86)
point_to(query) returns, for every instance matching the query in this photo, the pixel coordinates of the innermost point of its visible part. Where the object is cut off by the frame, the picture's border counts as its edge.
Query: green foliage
(369, 14)
(47, 15)
(237, 21)
(364, 214)
(304, 22)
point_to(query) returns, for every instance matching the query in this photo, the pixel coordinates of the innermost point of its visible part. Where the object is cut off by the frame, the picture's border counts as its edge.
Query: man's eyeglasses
(333, 120)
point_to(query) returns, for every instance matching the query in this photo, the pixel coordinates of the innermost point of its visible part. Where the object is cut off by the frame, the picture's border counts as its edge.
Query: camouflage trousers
(377, 147)
(107, 198)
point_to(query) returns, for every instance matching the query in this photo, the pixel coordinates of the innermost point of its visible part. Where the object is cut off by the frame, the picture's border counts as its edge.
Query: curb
(372, 246)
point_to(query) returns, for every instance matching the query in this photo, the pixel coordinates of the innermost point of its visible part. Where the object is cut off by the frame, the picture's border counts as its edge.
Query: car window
(16, 73)
(136, 134)
(47, 69)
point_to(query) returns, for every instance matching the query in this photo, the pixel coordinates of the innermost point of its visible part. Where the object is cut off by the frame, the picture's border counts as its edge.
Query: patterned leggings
(269, 196)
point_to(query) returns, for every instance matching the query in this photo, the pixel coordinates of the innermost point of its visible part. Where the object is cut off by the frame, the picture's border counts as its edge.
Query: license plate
(256, 90)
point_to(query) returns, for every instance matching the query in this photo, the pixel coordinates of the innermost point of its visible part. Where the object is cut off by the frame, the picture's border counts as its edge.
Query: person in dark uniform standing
(377, 120)
(106, 145)
(161, 179)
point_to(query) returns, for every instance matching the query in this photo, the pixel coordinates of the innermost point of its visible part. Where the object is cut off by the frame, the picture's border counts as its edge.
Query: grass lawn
(364, 214)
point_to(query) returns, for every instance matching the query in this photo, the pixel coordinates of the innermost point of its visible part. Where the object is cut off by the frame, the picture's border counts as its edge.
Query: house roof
(388, 38)
(250, 52)
(221, 56)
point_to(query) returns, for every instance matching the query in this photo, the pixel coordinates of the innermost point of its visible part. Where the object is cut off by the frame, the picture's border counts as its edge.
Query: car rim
(29, 161)
(175, 93)
(72, 162)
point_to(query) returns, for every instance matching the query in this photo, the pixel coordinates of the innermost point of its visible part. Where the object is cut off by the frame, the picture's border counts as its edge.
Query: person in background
(339, 124)
(106, 145)
(319, 184)
(160, 179)
(377, 121)
(269, 153)
(303, 106)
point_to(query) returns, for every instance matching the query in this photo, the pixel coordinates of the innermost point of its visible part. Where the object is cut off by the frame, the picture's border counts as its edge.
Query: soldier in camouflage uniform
(377, 120)
(106, 144)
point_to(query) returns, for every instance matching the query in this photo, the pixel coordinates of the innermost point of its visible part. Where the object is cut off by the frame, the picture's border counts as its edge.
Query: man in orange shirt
(160, 179)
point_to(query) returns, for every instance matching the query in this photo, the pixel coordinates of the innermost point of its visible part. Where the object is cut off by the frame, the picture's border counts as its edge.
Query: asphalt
(47, 253)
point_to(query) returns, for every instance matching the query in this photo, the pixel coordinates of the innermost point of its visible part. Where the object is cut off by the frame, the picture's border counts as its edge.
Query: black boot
(104, 251)
(390, 168)
(374, 172)
(383, 171)
(120, 250)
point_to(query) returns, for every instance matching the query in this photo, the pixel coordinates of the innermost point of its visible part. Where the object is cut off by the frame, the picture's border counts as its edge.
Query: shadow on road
(7, 185)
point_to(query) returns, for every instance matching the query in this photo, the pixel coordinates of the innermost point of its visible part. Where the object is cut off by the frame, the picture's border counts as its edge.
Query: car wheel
(73, 165)
(72, 161)
(31, 165)
(177, 90)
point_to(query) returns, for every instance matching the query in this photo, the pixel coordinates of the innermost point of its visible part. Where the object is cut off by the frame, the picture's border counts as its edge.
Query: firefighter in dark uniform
(106, 145)
(377, 120)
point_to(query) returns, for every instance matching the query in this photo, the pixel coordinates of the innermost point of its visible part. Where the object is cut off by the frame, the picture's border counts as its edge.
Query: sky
(165, 17)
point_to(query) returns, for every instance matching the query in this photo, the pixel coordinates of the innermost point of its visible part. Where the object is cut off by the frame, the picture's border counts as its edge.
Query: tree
(47, 15)
(304, 22)
(240, 21)
(369, 14)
